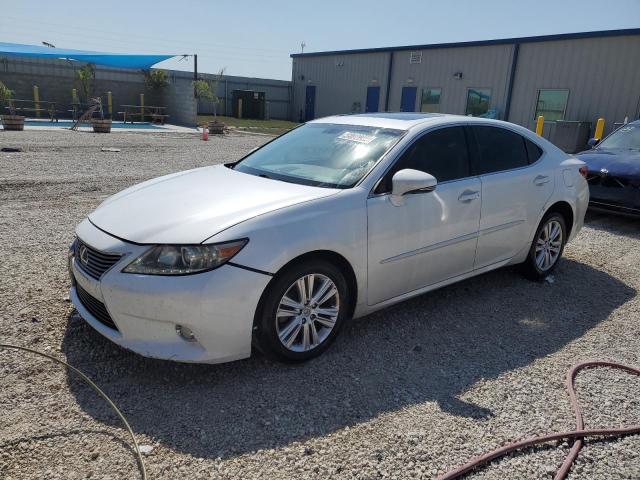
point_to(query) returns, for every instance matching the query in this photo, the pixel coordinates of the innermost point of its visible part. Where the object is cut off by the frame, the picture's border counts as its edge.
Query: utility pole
(302, 45)
(195, 67)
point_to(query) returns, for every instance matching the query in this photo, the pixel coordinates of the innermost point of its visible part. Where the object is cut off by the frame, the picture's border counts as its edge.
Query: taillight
(584, 171)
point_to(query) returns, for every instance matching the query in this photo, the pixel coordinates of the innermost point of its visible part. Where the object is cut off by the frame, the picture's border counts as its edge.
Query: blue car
(614, 170)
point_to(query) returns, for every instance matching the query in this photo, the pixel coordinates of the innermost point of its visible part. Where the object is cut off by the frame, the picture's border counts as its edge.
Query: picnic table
(156, 113)
(20, 105)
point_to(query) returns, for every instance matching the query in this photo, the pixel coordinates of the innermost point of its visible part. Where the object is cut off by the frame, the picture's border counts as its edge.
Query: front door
(373, 99)
(310, 103)
(516, 185)
(408, 99)
(433, 236)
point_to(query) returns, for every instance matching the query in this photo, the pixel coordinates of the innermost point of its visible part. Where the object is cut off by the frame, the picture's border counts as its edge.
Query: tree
(6, 94)
(206, 89)
(86, 77)
(155, 79)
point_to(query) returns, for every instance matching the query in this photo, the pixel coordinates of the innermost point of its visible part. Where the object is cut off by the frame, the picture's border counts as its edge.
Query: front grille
(94, 262)
(607, 181)
(593, 179)
(95, 307)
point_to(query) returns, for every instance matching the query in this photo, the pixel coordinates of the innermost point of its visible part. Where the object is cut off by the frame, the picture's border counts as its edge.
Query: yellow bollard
(109, 104)
(142, 107)
(36, 100)
(599, 129)
(75, 103)
(539, 125)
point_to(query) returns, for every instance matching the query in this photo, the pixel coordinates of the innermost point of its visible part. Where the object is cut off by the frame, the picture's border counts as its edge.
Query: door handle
(541, 180)
(469, 195)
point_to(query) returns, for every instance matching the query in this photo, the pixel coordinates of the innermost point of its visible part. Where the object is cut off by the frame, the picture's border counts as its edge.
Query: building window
(478, 101)
(552, 104)
(430, 100)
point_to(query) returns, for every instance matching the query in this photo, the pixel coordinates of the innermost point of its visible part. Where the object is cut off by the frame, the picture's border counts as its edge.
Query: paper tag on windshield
(357, 137)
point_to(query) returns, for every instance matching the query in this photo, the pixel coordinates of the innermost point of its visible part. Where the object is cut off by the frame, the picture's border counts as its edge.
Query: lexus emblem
(83, 253)
(604, 171)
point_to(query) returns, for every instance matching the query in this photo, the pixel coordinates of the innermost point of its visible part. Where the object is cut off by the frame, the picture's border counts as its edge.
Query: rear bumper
(217, 306)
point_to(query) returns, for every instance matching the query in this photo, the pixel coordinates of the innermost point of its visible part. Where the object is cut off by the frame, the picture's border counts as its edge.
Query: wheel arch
(566, 210)
(328, 255)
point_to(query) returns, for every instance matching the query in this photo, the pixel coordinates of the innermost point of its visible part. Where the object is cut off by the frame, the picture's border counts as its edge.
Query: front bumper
(217, 306)
(615, 193)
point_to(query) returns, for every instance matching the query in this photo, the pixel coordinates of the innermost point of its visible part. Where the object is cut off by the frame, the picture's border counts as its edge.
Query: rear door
(516, 184)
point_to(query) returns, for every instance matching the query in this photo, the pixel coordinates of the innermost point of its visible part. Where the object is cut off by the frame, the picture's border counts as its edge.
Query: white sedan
(335, 219)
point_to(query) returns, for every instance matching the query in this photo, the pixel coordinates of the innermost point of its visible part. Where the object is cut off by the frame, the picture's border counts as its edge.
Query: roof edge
(479, 43)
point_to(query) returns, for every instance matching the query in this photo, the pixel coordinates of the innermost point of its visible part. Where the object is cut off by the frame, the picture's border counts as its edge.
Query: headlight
(184, 259)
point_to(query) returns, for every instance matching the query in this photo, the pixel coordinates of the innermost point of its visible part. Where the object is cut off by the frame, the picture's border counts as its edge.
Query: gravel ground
(408, 392)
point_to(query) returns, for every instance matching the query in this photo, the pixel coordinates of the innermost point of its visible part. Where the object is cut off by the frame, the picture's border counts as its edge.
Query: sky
(255, 38)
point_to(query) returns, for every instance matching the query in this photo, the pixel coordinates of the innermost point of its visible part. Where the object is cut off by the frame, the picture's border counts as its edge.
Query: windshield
(627, 138)
(321, 154)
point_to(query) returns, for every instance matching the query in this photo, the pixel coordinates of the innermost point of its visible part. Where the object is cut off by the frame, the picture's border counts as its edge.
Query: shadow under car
(430, 348)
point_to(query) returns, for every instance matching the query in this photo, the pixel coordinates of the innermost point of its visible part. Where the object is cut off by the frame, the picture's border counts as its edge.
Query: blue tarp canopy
(119, 60)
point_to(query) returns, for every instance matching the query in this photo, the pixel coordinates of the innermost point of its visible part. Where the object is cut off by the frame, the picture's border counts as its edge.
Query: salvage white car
(333, 220)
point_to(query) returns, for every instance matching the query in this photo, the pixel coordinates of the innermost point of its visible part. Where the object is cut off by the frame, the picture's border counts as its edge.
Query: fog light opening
(185, 333)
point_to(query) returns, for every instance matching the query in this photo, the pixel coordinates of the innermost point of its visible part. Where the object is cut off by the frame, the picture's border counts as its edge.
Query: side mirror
(410, 181)
(593, 142)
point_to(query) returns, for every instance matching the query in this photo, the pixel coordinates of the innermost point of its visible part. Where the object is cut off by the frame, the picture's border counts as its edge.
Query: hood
(619, 163)
(191, 206)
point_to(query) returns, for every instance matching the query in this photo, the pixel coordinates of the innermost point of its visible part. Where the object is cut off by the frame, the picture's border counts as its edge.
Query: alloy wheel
(307, 312)
(548, 245)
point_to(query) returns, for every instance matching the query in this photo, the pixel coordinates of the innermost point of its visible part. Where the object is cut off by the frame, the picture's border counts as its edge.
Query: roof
(395, 120)
(119, 60)
(480, 43)
(409, 120)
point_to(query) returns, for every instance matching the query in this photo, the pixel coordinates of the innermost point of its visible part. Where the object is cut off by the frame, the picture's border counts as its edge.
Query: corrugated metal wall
(481, 67)
(341, 81)
(601, 74)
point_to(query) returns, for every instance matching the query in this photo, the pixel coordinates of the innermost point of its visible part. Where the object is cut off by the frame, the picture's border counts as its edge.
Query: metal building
(576, 76)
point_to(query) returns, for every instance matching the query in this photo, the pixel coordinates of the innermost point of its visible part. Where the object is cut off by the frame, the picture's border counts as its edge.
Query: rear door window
(533, 151)
(499, 149)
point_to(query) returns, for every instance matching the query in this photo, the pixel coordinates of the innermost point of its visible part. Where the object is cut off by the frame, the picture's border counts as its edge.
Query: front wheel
(547, 247)
(303, 311)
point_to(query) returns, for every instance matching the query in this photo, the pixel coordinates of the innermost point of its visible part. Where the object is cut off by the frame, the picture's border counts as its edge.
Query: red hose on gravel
(578, 434)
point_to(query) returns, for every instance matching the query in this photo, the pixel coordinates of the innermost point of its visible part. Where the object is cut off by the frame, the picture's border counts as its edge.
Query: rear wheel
(303, 311)
(547, 247)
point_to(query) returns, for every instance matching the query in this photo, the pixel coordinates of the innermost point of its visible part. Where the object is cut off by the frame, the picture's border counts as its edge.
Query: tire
(539, 264)
(285, 327)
